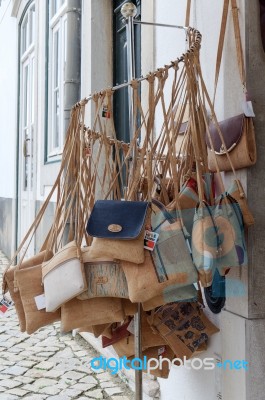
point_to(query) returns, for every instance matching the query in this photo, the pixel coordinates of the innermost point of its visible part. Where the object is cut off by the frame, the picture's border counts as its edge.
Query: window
(55, 6)
(120, 73)
(57, 62)
(63, 75)
(27, 76)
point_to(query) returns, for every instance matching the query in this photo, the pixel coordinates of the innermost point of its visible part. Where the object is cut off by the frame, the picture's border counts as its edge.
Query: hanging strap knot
(159, 73)
(102, 94)
(83, 102)
(151, 77)
(134, 83)
(95, 96)
(175, 65)
(109, 92)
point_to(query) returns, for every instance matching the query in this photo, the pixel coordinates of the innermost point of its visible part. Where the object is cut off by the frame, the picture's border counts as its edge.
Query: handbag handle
(239, 49)
(50, 238)
(187, 18)
(205, 98)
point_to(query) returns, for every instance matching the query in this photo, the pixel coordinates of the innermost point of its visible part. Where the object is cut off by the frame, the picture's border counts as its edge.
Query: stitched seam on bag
(45, 273)
(161, 278)
(58, 254)
(154, 266)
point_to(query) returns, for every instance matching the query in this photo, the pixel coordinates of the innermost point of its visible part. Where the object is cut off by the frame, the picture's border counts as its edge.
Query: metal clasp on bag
(115, 228)
(223, 150)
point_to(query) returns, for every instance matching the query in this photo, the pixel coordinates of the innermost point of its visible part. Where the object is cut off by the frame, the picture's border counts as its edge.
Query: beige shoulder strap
(187, 19)
(239, 49)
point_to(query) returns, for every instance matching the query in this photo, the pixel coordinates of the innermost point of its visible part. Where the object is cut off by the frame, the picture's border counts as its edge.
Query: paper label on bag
(40, 301)
(130, 327)
(87, 151)
(150, 239)
(5, 304)
(161, 351)
(248, 109)
(105, 112)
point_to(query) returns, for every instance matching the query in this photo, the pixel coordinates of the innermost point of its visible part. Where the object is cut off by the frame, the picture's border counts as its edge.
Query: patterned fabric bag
(206, 243)
(184, 326)
(170, 262)
(229, 222)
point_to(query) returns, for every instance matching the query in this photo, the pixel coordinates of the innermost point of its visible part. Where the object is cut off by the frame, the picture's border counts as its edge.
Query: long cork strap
(239, 49)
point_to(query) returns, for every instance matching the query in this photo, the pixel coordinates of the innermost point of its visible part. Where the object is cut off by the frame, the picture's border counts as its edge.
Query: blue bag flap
(117, 219)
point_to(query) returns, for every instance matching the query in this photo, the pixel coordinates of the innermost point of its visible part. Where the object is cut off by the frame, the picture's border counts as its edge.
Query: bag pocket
(104, 279)
(172, 257)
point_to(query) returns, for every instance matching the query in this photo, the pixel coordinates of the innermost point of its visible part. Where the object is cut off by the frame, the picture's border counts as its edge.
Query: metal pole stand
(129, 11)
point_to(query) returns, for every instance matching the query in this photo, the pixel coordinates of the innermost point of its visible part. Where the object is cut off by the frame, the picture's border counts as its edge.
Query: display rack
(129, 12)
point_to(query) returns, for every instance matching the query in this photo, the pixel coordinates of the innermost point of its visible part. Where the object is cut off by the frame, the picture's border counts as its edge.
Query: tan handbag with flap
(236, 135)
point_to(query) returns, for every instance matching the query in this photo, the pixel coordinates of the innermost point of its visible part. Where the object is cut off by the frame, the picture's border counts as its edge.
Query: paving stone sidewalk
(50, 366)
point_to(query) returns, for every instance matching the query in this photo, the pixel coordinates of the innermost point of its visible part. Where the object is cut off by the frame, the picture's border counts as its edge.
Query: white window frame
(55, 135)
(27, 105)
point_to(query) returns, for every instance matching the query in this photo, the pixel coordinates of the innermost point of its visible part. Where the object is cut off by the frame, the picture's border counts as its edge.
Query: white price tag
(5, 304)
(248, 109)
(40, 301)
(130, 327)
(161, 351)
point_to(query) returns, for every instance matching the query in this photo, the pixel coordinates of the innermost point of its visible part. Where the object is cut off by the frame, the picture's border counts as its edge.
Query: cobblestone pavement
(50, 366)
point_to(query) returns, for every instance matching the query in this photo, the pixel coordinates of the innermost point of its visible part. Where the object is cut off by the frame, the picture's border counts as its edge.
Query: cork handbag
(238, 134)
(171, 294)
(237, 192)
(97, 330)
(11, 285)
(231, 141)
(122, 331)
(81, 313)
(129, 309)
(29, 283)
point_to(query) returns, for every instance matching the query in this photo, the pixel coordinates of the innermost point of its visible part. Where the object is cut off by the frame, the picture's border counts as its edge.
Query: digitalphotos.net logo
(114, 365)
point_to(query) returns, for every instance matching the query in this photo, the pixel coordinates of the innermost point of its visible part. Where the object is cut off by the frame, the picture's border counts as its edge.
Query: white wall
(96, 60)
(170, 44)
(8, 100)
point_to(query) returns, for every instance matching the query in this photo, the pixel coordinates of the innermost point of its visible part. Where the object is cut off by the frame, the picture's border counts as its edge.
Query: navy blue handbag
(117, 228)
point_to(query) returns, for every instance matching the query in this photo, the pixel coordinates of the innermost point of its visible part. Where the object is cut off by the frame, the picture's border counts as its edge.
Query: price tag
(150, 239)
(40, 301)
(161, 351)
(248, 109)
(105, 112)
(87, 151)
(130, 327)
(5, 304)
